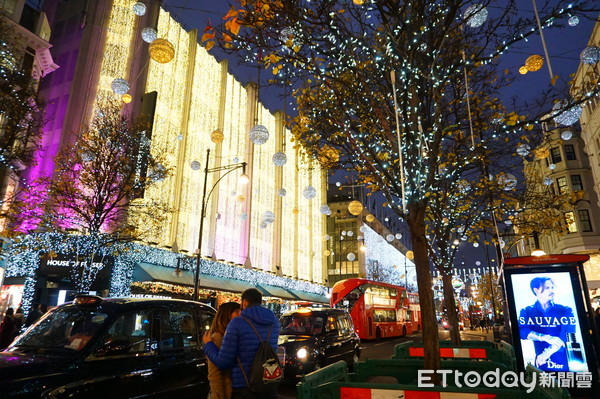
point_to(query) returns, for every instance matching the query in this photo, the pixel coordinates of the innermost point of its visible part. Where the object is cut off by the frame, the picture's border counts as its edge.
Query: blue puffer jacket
(241, 340)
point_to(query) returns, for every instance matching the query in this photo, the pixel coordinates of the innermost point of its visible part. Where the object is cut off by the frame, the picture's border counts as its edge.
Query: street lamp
(243, 179)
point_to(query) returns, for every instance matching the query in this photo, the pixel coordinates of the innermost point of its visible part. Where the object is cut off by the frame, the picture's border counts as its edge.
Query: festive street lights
(243, 179)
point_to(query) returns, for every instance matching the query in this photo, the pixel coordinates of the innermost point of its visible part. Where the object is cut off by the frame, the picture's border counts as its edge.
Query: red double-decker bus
(414, 311)
(378, 310)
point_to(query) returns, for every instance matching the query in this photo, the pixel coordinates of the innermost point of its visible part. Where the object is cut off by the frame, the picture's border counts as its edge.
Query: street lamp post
(243, 179)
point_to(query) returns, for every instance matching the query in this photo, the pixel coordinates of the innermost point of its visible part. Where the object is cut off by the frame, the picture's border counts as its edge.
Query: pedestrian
(7, 328)
(241, 343)
(220, 380)
(19, 320)
(34, 314)
(482, 324)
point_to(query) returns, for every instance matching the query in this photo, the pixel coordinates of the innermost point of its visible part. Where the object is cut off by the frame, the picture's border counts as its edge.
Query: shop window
(584, 219)
(555, 152)
(562, 184)
(576, 182)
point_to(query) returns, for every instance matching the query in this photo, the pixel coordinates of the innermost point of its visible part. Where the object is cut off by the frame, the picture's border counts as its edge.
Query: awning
(278, 292)
(148, 272)
(310, 297)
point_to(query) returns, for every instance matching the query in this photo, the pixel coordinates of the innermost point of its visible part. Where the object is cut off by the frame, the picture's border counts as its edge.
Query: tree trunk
(416, 225)
(450, 303)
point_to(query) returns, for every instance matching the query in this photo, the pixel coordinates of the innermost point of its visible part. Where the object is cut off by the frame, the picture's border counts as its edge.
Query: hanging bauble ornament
(508, 181)
(369, 218)
(149, 35)
(565, 114)
(475, 244)
(327, 252)
(360, 238)
(398, 236)
(282, 192)
(263, 225)
(541, 153)
(548, 181)
(259, 134)
(195, 165)
(309, 192)
(286, 34)
(338, 184)
(295, 211)
(359, 2)
(566, 135)
(161, 50)
(350, 233)
(268, 217)
(325, 210)
(351, 257)
(552, 166)
(139, 9)
(241, 198)
(534, 63)
(243, 216)
(389, 238)
(476, 15)
(410, 255)
(523, 70)
(464, 186)
(327, 237)
(217, 136)
(590, 55)
(180, 137)
(574, 20)
(355, 208)
(279, 158)
(119, 86)
(508, 222)
(126, 98)
(362, 228)
(343, 232)
(523, 150)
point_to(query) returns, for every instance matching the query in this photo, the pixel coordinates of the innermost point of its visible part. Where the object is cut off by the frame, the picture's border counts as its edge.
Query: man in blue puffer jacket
(240, 341)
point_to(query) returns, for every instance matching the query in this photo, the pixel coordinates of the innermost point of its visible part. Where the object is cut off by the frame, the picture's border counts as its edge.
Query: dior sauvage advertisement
(548, 324)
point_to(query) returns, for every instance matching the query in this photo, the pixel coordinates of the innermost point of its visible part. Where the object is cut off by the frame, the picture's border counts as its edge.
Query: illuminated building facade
(191, 97)
(362, 246)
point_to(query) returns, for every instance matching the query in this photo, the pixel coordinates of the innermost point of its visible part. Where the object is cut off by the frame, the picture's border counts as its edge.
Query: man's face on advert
(546, 292)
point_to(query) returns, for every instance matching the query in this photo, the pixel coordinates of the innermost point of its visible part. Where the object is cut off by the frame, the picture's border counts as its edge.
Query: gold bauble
(217, 136)
(358, 2)
(370, 218)
(410, 255)
(523, 70)
(126, 98)
(161, 50)
(241, 198)
(541, 153)
(295, 211)
(355, 208)
(327, 252)
(534, 63)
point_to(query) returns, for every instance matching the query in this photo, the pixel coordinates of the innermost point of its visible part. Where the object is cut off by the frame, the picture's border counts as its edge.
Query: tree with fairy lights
(21, 112)
(97, 191)
(378, 82)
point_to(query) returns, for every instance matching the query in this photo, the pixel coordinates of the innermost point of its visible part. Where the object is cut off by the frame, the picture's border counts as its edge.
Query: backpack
(266, 370)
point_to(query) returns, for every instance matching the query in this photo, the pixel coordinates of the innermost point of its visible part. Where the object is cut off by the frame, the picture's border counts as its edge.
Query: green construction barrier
(502, 353)
(328, 382)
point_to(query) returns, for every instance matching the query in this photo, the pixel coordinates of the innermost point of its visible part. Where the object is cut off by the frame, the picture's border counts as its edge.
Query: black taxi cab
(312, 338)
(117, 348)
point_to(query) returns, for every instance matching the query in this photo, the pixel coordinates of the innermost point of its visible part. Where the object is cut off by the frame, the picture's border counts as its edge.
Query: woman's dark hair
(223, 317)
(10, 311)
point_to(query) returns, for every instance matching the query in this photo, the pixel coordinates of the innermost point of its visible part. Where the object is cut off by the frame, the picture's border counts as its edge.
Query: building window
(584, 219)
(555, 155)
(570, 222)
(570, 152)
(576, 182)
(562, 184)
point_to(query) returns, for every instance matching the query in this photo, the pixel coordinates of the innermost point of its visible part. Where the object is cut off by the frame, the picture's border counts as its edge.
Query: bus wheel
(404, 331)
(378, 333)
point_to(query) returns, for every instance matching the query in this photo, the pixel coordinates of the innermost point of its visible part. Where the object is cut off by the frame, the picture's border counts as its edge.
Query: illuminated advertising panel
(548, 323)
(550, 314)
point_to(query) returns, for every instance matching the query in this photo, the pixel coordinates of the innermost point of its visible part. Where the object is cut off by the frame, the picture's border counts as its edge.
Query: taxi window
(332, 324)
(178, 330)
(135, 327)
(343, 323)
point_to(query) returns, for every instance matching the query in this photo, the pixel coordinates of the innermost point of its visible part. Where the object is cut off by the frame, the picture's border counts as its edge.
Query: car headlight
(302, 353)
